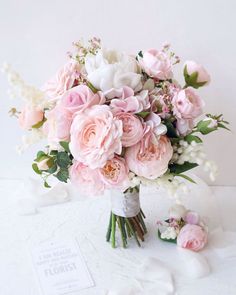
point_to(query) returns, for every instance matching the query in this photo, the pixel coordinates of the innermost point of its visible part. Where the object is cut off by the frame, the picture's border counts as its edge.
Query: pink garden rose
(156, 64)
(192, 67)
(121, 93)
(30, 116)
(187, 104)
(132, 104)
(95, 136)
(132, 128)
(57, 126)
(86, 179)
(150, 157)
(62, 81)
(192, 237)
(79, 98)
(115, 174)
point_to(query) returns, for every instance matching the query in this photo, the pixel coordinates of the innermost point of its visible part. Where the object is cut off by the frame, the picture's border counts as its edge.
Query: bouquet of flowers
(114, 121)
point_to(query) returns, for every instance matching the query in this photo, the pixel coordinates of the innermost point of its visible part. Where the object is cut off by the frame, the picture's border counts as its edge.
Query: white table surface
(87, 220)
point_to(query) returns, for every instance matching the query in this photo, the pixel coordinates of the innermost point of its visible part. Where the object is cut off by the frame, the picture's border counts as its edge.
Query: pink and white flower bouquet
(114, 121)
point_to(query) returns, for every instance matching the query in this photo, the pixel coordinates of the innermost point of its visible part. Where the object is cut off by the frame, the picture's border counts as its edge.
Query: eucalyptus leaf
(65, 145)
(178, 169)
(62, 175)
(63, 159)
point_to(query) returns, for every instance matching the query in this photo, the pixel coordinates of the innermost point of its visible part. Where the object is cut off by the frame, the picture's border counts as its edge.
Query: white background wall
(35, 35)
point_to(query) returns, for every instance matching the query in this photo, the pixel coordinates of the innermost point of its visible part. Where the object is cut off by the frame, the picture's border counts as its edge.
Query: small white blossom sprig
(19, 88)
(82, 49)
(184, 228)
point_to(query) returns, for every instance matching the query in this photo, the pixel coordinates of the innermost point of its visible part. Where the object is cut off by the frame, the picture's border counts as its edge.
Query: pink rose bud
(29, 117)
(43, 165)
(192, 217)
(195, 74)
(192, 237)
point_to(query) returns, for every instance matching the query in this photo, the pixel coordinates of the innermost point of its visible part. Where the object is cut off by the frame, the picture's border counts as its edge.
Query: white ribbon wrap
(125, 205)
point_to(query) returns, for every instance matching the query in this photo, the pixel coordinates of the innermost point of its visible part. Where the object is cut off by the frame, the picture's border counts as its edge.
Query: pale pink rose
(132, 104)
(64, 79)
(192, 237)
(132, 128)
(115, 174)
(187, 104)
(30, 116)
(86, 179)
(79, 98)
(95, 136)
(192, 67)
(154, 121)
(156, 64)
(57, 126)
(192, 217)
(149, 157)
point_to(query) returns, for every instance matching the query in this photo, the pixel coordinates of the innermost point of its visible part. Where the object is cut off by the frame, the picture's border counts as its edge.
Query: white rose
(111, 69)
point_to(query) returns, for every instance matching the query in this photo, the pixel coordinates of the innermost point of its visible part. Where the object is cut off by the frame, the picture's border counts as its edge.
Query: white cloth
(152, 277)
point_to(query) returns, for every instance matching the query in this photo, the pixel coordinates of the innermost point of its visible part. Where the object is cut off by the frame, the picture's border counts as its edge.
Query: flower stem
(113, 231)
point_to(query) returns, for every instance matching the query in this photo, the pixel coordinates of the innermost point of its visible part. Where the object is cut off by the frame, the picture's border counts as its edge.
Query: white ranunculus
(111, 69)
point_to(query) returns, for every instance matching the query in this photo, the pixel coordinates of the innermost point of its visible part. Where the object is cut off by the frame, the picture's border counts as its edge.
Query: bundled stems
(128, 227)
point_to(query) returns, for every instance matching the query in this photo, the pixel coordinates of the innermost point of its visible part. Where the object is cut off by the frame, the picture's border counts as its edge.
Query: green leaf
(189, 138)
(53, 153)
(46, 184)
(202, 127)
(143, 114)
(223, 126)
(191, 80)
(65, 145)
(52, 169)
(63, 159)
(62, 175)
(171, 132)
(178, 169)
(36, 169)
(140, 53)
(185, 177)
(39, 124)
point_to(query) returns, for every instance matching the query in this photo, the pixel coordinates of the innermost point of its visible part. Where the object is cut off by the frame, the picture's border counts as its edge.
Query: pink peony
(156, 64)
(192, 67)
(86, 179)
(149, 157)
(132, 129)
(115, 174)
(57, 126)
(187, 104)
(62, 81)
(192, 237)
(95, 136)
(30, 116)
(79, 98)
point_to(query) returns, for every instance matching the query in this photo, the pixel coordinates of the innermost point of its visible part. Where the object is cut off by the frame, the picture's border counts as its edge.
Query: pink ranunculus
(131, 104)
(192, 237)
(121, 93)
(192, 217)
(192, 67)
(156, 64)
(57, 126)
(62, 81)
(95, 136)
(79, 98)
(132, 128)
(30, 116)
(150, 157)
(187, 104)
(86, 179)
(115, 174)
